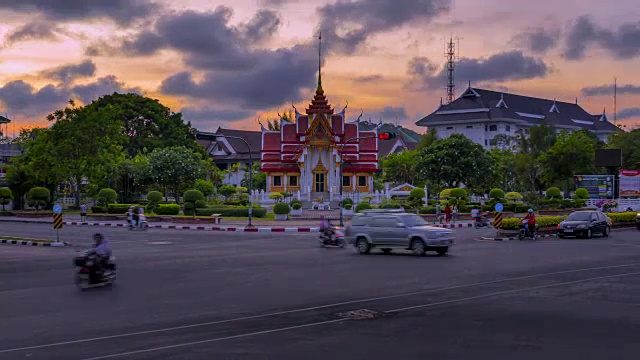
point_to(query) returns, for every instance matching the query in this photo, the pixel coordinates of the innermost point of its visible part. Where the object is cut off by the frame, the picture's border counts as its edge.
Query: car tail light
(558, 227)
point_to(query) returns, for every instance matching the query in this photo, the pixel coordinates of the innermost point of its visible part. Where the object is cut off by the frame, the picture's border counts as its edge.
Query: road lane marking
(252, 317)
(308, 325)
(508, 292)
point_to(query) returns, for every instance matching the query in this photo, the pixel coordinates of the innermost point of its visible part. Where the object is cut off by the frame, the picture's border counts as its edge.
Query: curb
(514, 237)
(34, 243)
(205, 228)
(453, 226)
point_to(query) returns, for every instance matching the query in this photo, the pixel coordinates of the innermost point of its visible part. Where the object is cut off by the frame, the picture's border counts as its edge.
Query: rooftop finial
(319, 62)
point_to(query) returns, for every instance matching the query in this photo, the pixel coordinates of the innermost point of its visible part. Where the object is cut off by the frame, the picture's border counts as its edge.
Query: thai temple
(304, 156)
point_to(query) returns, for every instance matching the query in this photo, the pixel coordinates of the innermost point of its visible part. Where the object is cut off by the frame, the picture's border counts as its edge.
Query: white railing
(623, 204)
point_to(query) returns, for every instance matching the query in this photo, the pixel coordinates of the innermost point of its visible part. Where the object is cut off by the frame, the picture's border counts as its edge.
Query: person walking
(83, 212)
(447, 213)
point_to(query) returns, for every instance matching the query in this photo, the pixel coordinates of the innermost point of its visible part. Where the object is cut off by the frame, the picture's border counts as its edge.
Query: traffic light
(386, 136)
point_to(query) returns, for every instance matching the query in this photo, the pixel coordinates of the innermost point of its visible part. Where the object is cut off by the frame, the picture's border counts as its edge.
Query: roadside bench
(216, 218)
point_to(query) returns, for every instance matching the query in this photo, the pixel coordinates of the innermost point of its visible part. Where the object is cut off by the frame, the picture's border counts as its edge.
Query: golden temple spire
(319, 62)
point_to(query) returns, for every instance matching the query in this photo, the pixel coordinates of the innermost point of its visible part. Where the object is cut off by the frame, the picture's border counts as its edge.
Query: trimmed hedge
(346, 201)
(167, 209)
(296, 206)
(281, 209)
(99, 209)
(258, 212)
(549, 221)
(119, 209)
(363, 206)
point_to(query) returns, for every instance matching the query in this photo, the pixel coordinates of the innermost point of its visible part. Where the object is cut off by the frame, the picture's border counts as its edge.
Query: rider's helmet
(530, 211)
(97, 237)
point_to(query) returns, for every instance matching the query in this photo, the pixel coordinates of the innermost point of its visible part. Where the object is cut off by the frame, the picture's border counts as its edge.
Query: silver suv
(389, 229)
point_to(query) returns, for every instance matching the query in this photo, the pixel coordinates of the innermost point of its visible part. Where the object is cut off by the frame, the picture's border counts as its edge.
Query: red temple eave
(360, 168)
(280, 168)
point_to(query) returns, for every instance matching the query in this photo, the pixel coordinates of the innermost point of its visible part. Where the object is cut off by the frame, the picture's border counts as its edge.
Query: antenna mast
(615, 100)
(452, 54)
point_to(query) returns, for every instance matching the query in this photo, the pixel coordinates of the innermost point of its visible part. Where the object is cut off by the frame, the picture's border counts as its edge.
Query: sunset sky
(229, 63)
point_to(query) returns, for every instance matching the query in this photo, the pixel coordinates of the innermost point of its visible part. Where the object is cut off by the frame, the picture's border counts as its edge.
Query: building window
(277, 181)
(293, 180)
(449, 127)
(508, 128)
(486, 142)
(486, 128)
(493, 128)
(469, 126)
(346, 181)
(362, 181)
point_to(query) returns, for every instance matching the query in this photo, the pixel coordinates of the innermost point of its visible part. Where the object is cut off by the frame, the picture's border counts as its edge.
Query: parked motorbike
(87, 275)
(334, 239)
(531, 233)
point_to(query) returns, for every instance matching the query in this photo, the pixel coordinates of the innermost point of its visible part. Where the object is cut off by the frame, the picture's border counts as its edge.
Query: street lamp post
(341, 152)
(207, 135)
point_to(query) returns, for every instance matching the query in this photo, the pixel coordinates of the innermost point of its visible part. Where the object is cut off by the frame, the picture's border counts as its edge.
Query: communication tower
(452, 53)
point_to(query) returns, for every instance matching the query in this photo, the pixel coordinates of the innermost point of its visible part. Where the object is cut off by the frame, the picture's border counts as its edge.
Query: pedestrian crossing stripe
(57, 221)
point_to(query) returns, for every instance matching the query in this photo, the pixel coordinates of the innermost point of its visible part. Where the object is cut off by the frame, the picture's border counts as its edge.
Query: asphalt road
(216, 295)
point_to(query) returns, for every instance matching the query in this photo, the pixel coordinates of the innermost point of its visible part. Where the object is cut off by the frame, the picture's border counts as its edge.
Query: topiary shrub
(582, 193)
(107, 196)
(154, 197)
(201, 204)
(496, 194)
(346, 201)
(190, 198)
(296, 206)
(445, 194)
(416, 197)
(514, 196)
(348, 206)
(458, 193)
(281, 209)
(39, 197)
(227, 190)
(277, 197)
(119, 209)
(5, 197)
(363, 206)
(554, 193)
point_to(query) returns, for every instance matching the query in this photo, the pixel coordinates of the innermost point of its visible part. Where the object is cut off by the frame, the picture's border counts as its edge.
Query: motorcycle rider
(325, 227)
(103, 253)
(531, 222)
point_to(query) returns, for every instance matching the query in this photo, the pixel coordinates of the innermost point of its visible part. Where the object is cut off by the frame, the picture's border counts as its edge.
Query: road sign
(57, 209)
(57, 221)
(499, 207)
(497, 220)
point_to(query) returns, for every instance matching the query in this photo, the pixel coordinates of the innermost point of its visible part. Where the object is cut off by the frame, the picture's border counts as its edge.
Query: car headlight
(581, 226)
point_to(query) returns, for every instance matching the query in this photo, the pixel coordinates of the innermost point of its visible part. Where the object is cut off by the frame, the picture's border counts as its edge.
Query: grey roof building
(482, 114)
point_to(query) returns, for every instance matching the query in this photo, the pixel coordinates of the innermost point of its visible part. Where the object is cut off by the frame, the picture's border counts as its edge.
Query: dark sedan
(585, 224)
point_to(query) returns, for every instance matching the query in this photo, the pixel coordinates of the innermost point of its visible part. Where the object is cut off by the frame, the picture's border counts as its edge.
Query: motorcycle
(87, 277)
(481, 222)
(335, 239)
(530, 233)
(141, 225)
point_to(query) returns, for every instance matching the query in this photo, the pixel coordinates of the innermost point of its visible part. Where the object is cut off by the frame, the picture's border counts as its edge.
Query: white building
(481, 115)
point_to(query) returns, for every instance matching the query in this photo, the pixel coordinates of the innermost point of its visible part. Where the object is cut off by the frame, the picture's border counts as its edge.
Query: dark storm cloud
(68, 73)
(21, 98)
(102, 86)
(506, 66)
(34, 30)
(278, 78)
(537, 40)
(208, 115)
(348, 24)
(607, 90)
(622, 43)
(628, 113)
(390, 113)
(262, 27)
(120, 11)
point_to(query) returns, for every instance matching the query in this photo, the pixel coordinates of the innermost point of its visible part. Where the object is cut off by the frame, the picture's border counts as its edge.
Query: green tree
(570, 155)
(454, 161)
(107, 196)
(554, 193)
(582, 193)
(398, 168)
(496, 194)
(146, 123)
(505, 175)
(430, 137)
(82, 144)
(172, 167)
(540, 139)
(227, 191)
(204, 186)
(627, 142)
